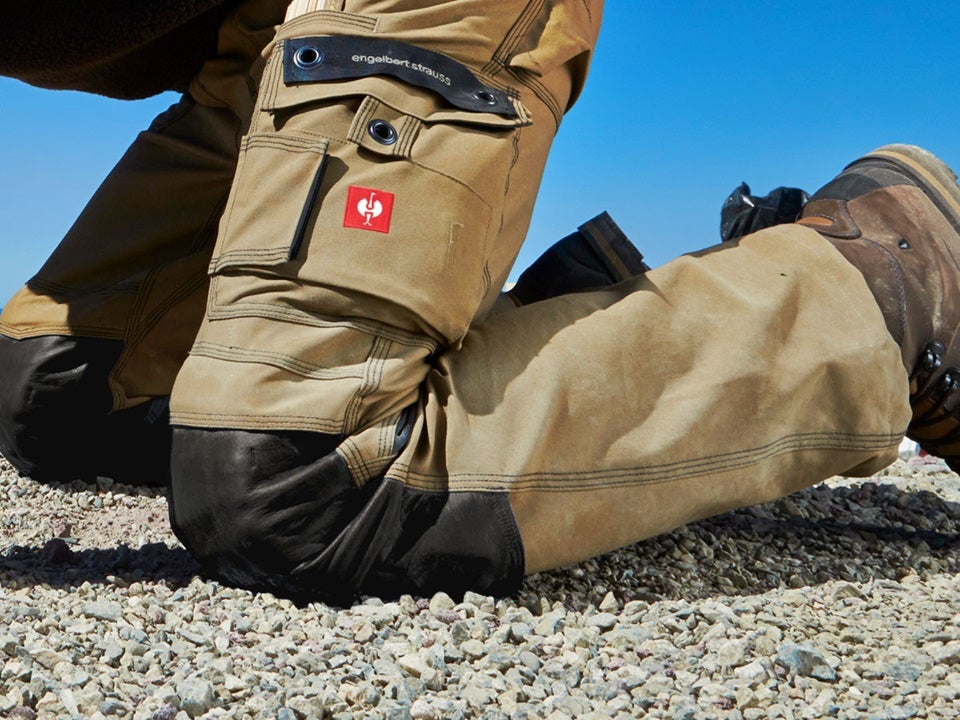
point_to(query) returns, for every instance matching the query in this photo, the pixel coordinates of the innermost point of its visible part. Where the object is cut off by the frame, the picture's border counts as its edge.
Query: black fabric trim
(342, 58)
(597, 256)
(446, 541)
(56, 422)
(613, 247)
(280, 512)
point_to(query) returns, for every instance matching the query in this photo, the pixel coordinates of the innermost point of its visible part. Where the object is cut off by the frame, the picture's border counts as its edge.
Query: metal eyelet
(382, 131)
(307, 57)
(485, 96)
(950, 381)
(933, 356)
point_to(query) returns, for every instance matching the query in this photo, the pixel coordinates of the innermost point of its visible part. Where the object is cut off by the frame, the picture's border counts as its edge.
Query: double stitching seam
(262, 255)
(66, 291)
(103, 333)
(336, 19)
(527, 78)
(271, 77)
(645, 475)
(281, 361)
(385, 437)
(408, 134)
(284, 142)
(501, 56)
(373, 376)
(243, 422)
(368, 107)
(296, 317)
(353, 460)
(138, 329)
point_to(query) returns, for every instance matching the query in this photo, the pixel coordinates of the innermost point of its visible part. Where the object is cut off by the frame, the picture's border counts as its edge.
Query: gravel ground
(841, 601)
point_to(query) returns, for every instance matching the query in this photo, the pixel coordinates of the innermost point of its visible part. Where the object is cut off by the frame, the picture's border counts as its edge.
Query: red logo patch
(368, 209)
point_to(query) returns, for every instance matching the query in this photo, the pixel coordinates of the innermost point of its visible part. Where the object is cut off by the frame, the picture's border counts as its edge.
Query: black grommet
(931, 361)
(903, 244)
(950, 381)
(307, 57)
(486, 96)
(382, 131)
(932, 358)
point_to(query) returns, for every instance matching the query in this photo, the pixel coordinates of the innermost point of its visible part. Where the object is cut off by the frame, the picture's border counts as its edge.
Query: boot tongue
(827, 211)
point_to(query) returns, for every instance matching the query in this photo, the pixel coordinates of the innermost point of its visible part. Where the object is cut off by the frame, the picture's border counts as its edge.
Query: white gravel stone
(196, 696)
(839, 602)
(603, 621)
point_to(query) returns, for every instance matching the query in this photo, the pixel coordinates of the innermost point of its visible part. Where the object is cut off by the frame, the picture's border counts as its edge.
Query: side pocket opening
(265, 221)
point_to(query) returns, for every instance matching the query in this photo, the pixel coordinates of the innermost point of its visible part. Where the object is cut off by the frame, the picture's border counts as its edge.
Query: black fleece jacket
(121, 48)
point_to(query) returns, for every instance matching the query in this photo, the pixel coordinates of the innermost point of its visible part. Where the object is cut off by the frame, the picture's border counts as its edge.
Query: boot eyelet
(903, 244)
(950, 381)
(932, 360)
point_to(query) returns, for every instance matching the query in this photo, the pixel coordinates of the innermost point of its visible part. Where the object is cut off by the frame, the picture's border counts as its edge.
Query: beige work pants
(355, 269)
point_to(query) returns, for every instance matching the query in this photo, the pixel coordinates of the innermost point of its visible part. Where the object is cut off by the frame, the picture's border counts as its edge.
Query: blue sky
(685, 100)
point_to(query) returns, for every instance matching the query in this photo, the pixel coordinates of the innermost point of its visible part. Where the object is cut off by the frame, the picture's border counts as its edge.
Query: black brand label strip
(318, 59)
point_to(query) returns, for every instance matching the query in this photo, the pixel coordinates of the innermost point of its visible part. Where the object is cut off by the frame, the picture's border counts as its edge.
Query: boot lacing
(939, 392)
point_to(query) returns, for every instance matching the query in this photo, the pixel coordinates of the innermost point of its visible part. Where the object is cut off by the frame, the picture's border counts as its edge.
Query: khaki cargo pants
(353, 411)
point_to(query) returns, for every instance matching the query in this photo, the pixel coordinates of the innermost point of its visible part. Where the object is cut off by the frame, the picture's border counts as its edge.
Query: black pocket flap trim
(321, 59)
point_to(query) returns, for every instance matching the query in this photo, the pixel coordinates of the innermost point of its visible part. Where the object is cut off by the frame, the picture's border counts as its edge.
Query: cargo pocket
(375, 197)
(278, 176)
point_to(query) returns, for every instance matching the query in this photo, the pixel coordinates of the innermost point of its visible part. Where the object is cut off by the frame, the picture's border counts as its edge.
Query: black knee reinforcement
(280, 512)
(56, 422)
(51, 388)
(255, 507)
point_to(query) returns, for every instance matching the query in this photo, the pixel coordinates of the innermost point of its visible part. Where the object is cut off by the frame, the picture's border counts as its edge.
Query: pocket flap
(318, 69)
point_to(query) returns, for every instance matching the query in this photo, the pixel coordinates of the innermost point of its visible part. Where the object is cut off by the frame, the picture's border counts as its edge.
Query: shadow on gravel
(55, 564)
(823, 534)
(854, 534)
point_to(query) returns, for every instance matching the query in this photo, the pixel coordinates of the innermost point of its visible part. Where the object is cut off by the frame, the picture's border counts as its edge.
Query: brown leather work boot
(895, 214)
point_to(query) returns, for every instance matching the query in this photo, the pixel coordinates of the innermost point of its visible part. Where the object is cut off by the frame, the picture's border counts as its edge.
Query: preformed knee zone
(53, 397)
(279, 511)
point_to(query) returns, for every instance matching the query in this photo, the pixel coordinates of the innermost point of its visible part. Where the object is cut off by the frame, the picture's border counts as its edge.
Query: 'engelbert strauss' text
(416, 67)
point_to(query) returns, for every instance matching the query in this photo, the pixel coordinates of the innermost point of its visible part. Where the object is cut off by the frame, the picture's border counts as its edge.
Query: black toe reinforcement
(279, 511)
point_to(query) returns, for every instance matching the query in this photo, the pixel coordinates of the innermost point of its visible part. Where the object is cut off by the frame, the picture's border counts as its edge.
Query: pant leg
(101, 330)
(329, 327)
(722, 379)
(90, 346)
(545, 434)
(321, 325)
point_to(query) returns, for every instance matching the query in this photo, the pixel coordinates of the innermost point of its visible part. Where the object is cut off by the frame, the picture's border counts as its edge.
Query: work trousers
(306, 253)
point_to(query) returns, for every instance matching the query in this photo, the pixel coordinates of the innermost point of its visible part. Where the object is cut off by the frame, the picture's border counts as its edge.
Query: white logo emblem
(370, 208)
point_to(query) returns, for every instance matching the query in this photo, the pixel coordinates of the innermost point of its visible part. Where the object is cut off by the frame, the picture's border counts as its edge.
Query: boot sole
(930, 174)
